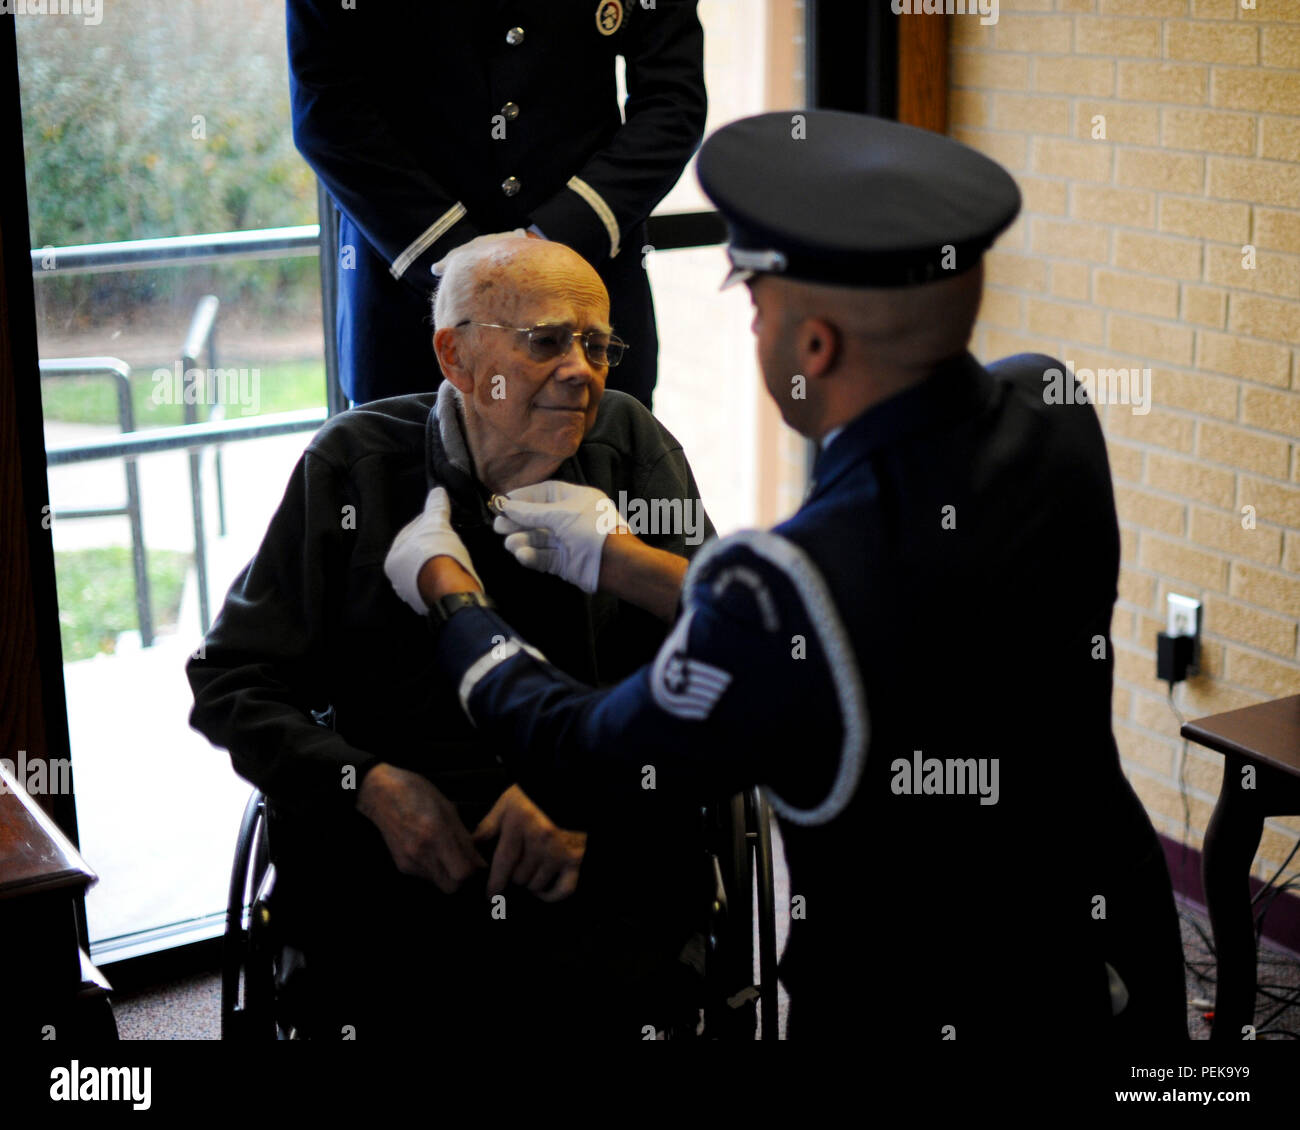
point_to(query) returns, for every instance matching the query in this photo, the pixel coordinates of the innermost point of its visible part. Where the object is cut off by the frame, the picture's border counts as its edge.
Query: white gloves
(552, 527)
(429, 535)
(559, 528)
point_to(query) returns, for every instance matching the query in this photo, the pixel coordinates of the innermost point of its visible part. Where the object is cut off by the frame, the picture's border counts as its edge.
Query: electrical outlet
(1183, 615)
(1183, 618)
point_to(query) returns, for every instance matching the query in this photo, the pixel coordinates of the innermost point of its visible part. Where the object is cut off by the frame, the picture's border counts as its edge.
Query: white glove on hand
(429, 535)
(559, 528)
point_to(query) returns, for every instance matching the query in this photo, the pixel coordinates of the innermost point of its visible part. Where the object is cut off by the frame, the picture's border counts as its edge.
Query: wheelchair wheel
(759, 834)
(248, 990)
(741, 856)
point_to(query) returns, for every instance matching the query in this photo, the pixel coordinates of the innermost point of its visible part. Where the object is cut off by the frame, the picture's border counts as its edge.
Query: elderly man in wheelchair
(425, 889)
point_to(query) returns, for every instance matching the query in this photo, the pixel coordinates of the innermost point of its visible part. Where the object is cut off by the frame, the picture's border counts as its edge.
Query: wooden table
(51, 991)
(1261, 777)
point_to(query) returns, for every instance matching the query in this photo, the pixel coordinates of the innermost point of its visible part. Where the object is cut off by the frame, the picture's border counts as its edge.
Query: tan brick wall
(1157, 146)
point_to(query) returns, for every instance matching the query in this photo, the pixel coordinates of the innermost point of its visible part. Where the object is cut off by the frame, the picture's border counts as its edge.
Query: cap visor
(734, 276)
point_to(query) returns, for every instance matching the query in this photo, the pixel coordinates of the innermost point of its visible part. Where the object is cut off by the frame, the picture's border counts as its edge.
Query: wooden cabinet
(51, 990)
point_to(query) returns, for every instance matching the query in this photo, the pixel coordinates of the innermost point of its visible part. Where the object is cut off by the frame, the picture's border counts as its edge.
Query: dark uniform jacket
(431, 123)
(312, 625)
(944, 594)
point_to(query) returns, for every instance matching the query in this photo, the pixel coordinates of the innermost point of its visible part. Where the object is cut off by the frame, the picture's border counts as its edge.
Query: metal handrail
(202, 323)
(178, 250)
(84, 366)
(120, 373)
(198, 338)
(192, 438)
(185, 250)
(665, 231)
(187, 437)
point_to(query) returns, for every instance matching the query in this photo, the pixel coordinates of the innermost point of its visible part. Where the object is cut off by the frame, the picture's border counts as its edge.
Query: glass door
(149, 127)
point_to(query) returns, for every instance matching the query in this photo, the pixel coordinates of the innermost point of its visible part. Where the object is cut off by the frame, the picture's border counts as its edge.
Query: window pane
(146, 122)
(750, 466)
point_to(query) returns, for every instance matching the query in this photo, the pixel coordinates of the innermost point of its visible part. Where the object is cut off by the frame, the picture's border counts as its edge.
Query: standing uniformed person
(917, 664)
(431, 123)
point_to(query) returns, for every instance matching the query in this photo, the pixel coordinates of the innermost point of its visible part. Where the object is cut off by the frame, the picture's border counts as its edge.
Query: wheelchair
(262, 977)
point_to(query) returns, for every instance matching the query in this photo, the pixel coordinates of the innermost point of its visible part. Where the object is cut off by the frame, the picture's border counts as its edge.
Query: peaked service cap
(851, 200)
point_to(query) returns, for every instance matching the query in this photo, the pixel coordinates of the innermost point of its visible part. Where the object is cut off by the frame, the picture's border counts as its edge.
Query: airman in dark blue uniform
(917, 664)
(433, 123)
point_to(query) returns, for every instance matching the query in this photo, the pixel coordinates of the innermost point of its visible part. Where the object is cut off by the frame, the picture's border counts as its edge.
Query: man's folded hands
(531, 851)
(426, 838)
(420, 826)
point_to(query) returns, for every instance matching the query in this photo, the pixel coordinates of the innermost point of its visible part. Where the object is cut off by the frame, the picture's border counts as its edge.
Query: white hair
(458, 270)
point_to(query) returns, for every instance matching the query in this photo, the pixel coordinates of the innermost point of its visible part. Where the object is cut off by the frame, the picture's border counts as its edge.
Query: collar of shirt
(451, 427)
(448, 463)
(956, 389)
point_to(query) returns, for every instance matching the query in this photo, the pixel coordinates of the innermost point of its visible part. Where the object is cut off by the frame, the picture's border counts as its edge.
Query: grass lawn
(282, 387)
(97, 596)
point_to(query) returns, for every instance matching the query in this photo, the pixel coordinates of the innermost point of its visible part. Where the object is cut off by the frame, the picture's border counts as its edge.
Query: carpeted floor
(1279, 977)
(187, 1009)
(190, 1008)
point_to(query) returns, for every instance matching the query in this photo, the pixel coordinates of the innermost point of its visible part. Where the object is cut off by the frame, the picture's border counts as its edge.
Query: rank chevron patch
(685, 687)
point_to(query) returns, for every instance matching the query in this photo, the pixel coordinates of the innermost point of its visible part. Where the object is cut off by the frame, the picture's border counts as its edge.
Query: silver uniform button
(515, 36)
(510, 186)
(511, 111)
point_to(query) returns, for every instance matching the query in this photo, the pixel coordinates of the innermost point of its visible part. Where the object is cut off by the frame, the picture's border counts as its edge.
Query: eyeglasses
(551, 342)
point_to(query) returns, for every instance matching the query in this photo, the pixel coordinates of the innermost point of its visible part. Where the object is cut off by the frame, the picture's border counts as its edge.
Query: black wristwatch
(444, 608)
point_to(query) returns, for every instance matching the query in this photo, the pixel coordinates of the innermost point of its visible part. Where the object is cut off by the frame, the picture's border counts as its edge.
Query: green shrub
(162, 120)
